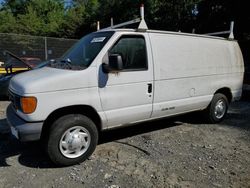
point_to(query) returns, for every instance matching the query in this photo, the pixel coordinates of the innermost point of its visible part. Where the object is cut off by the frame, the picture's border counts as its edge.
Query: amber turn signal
(28, 104)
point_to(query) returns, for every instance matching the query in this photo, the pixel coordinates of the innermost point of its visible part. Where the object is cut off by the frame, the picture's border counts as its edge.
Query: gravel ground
(175, 152)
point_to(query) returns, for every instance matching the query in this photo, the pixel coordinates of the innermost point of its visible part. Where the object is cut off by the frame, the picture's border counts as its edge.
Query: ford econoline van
(117, 77)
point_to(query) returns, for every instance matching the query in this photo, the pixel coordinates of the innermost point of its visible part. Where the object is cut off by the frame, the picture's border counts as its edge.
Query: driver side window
(133, 52)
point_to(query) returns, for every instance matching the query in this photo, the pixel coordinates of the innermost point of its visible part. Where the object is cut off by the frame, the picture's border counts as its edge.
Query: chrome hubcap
(75, 142)
(220, 109)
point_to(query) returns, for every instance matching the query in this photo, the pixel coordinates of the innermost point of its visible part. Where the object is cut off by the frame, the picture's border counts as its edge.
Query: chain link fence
(33, 46)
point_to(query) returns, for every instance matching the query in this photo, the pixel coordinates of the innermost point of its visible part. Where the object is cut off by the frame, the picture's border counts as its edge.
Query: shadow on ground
(140, 128)
(245, 95)
(239, 113)
(4, 128)
(31, 154)
(4, 98)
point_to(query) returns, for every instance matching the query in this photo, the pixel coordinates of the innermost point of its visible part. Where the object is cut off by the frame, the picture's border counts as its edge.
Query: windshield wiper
(63, 64)
(68, 61)
(57, 64)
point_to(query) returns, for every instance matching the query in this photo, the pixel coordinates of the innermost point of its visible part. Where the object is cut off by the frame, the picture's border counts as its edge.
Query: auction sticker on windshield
(98, 39)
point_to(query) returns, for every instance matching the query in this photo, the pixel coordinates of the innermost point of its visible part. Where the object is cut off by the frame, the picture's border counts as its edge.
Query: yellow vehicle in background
(3, 70)
(16, 64)
(13, 66)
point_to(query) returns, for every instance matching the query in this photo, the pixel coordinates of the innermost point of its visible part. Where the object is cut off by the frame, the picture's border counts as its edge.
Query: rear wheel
(72, 139)
(217, 109)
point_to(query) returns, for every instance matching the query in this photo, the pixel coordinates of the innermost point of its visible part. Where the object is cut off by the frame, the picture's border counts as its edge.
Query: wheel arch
(227, 92)
(86, 110)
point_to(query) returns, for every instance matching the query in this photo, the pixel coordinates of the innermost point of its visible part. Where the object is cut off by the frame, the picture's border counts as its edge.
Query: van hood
(49, 79)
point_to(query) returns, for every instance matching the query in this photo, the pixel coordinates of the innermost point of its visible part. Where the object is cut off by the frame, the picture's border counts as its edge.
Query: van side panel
(189, 70)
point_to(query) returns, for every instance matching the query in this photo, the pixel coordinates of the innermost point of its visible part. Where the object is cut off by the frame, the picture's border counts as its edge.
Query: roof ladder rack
(230, 32)
(142, 25)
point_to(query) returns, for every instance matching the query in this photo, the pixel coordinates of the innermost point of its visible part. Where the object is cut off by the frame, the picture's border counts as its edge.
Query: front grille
(15, 100)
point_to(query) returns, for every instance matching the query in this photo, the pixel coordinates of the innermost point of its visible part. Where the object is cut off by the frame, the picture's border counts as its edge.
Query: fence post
(111, 22)
(98, 25)
(45, 48)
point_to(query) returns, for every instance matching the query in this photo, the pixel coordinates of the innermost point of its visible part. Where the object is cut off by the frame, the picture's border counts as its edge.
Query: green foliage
(42, 17)
(48, 17)
(15, 6)
(37, 17)
(73, 19)
(7, 21)
(81, 17)
(54, 18)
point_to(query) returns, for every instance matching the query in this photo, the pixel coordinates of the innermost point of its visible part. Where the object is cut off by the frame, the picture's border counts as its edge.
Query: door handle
(149, 87)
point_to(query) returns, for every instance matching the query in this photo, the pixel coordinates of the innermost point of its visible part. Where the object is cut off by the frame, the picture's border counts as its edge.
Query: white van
(117, 77)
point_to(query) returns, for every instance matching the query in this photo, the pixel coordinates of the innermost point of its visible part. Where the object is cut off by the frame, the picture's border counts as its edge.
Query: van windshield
(81, 55)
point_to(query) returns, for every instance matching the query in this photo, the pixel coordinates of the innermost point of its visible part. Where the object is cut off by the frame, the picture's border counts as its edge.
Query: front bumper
(22, 130)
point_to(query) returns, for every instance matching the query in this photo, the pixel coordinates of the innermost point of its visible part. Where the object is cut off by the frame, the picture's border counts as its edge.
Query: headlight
(28, 104)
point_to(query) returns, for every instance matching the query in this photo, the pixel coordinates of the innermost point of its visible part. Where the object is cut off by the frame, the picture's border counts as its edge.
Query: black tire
(213, 112)
(58, 132)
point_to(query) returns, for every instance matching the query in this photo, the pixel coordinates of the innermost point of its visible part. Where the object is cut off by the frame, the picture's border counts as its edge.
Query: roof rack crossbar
(230, 32)
(142, 25)
(137, 20)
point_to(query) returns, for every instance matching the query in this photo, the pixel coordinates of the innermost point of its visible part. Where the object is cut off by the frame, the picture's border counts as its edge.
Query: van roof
(166, 32)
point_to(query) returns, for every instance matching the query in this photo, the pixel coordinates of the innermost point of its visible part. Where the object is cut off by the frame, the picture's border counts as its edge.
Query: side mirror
(115, 64)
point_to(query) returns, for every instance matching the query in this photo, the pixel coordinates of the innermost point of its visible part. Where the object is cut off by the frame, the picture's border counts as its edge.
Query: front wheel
(72, 139)
(217, 109)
